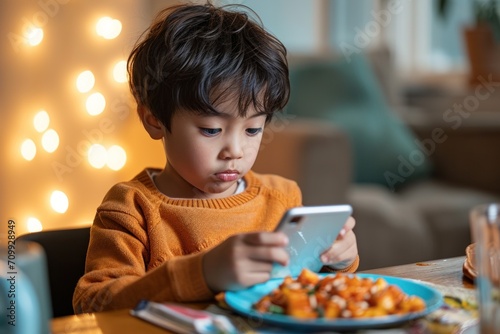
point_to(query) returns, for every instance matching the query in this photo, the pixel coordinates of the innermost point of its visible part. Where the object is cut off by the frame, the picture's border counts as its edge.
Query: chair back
(65, 251)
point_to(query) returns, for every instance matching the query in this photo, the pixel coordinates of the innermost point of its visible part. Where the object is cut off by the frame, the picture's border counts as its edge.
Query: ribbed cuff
(349, 269)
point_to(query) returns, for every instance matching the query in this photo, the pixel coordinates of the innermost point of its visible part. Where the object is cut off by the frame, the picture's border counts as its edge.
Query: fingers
(342, 250)
(348, 226)
(267, 247)
(270, 255)
(278, 239)
(243, 260)
(346, 259)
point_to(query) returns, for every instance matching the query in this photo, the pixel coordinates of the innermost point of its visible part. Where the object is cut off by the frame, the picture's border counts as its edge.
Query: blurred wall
(44, 76)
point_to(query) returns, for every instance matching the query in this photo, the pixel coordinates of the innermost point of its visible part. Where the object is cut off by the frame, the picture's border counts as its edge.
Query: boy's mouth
(228, 175)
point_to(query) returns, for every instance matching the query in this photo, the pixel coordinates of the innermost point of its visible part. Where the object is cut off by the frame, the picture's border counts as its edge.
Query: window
(419, 38)
(298, 24)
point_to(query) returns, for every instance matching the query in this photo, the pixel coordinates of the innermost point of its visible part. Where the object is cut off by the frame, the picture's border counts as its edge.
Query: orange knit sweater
(145, 245)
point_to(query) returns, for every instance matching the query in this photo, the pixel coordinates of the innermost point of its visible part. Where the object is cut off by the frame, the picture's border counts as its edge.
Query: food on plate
(340, 295)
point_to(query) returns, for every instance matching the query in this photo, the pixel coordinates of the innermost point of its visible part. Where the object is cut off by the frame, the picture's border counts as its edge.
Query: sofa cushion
(446, 211)
(388, 231)
(348, 94)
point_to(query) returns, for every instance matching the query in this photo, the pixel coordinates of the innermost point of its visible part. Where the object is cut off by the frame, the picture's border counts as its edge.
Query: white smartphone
(311, 230)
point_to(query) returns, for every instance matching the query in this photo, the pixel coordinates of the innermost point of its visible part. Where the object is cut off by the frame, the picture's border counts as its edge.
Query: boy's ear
(150, 123)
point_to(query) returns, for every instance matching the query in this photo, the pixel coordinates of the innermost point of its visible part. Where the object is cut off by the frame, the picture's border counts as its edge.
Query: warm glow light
(85, 81)
(50, 140)
(84, 222)
(120, 71)
(59, 201)
(116, 157)
(34, 36)
(34, 225)
(95, 104)
(28, 149)
(97, 156)
(108, 28)
(41, 121)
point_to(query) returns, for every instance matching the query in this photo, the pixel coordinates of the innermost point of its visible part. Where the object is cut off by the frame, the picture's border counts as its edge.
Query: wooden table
(445, 272)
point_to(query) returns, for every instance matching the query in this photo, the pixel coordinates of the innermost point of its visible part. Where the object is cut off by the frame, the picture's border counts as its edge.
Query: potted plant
(481, 39)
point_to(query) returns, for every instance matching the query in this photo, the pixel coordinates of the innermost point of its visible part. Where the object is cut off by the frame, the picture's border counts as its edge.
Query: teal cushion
(348, 94)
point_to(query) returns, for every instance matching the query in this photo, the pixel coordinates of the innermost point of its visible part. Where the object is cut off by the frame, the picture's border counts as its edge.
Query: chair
(65, 251)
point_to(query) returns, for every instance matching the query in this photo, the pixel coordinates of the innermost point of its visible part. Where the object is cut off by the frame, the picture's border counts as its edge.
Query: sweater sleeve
(116, 269)
(349, 269)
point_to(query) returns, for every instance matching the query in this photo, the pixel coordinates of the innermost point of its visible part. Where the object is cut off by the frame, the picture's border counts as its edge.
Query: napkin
(458, 313)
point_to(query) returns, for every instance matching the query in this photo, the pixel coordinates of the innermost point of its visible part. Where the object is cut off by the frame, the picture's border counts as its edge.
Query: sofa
(341, 147)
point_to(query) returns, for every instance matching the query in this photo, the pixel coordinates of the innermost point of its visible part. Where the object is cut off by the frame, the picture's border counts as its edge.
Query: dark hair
(195, 55)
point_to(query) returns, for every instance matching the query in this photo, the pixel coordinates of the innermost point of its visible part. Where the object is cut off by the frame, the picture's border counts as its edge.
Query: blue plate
(242, 301)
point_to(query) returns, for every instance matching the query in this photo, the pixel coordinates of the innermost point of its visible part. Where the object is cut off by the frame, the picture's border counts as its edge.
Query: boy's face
(207, 155)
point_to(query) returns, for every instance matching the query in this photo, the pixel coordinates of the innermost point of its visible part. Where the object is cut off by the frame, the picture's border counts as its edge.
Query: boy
(206, 81)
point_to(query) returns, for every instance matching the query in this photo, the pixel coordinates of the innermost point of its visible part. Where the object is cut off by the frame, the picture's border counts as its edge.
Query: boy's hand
(243, 260)
(344, 250)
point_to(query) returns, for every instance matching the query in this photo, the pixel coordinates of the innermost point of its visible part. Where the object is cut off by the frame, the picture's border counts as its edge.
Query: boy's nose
(232, 150)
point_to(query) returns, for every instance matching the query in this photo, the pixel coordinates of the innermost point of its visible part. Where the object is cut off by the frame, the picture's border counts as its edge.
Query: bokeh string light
(48, 138)
(97, 156)
(41, 121)
(108, 28)
(85, 81)
(59, 201)
(34, 224)
(33, 36)
(28, 149)
(120, 71)
(117, 157)
(96, 102)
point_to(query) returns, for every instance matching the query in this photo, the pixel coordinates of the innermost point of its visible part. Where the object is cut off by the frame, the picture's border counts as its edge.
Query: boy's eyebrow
(226, 115)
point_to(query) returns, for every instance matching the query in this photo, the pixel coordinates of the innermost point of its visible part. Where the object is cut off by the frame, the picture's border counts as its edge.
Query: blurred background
(70, 131)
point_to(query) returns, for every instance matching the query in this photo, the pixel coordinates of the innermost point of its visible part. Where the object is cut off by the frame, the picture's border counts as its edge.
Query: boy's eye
(210, 132)
(253, 131)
